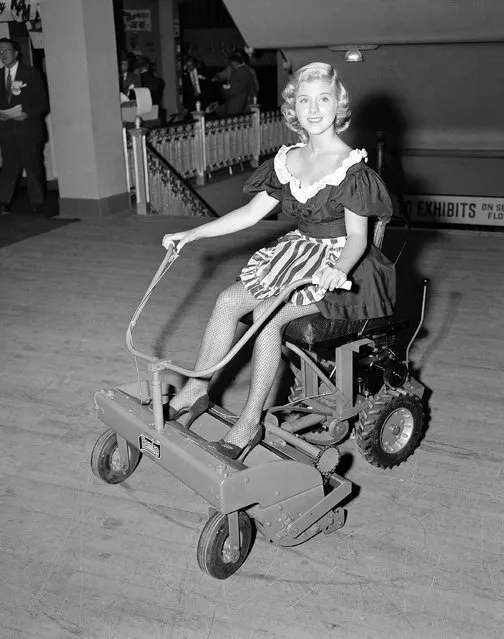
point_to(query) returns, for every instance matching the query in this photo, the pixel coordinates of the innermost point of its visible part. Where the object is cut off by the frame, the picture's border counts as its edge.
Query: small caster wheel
(105, 460)
(214, 552)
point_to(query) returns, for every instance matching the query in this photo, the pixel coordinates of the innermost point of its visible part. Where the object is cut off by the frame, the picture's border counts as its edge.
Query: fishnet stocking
(232, 304)
(265, 362)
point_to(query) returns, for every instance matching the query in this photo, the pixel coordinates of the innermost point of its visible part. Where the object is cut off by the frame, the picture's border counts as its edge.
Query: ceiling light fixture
(353, 52)
(354, 55)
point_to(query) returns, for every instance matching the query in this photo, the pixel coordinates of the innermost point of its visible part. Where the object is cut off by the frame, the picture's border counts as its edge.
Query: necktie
(8, 86)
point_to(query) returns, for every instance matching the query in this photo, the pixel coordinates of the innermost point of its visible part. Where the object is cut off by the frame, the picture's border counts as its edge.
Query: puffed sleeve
(365, 193)
(264, 179)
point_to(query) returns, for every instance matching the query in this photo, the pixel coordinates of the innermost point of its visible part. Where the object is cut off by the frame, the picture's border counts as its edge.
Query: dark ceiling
(286, 24)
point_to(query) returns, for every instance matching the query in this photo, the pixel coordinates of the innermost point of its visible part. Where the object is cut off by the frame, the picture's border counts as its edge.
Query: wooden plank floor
(421, 554)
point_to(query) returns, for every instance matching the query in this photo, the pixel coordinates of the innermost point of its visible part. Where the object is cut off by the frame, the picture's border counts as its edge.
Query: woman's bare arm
(244, 217)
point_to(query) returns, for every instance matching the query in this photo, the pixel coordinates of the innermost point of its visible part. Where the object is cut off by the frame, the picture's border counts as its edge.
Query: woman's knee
(224, 301)
(230, 301)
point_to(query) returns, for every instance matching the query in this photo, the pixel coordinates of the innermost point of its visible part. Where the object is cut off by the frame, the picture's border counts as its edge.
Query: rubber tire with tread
(211, 544)
(103, 451)
(368, 431)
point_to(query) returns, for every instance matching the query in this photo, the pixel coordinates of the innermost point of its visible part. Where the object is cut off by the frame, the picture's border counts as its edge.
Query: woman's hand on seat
(329, 278)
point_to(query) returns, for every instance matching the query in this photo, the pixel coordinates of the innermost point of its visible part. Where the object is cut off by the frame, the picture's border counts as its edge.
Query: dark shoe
(4, 209)
(199, 407)
(232, 451)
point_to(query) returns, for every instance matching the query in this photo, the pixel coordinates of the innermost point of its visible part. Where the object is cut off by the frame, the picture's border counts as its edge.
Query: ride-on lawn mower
(347, 381)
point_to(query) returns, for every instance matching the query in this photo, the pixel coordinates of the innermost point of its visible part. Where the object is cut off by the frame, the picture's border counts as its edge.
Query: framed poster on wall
(18, 10)
(137, 19)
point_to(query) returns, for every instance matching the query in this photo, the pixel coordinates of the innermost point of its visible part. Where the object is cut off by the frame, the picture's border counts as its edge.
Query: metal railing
(155, 186)
(170, 194)
(160, 162)
(208, 143)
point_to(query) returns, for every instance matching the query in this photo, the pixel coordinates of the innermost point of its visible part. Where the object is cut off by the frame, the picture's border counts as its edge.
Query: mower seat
(316, 329)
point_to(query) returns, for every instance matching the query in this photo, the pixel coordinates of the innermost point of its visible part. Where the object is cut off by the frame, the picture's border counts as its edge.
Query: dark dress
(319, 210)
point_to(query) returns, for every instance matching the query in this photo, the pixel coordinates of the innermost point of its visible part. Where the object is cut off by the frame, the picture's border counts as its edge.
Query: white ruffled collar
(304, 193)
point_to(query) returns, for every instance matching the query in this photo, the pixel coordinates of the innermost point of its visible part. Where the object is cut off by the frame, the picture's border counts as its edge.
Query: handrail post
(126, 159)
(256, 133)
(138, 139)
(199, 144)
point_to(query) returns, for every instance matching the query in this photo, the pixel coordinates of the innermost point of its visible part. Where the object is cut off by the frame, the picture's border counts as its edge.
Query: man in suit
(128, 79)
(150, 81)
(195, 86)
(241, 88)
(23, 105)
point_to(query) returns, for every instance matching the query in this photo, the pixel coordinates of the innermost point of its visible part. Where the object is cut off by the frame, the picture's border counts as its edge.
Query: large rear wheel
(391, 428)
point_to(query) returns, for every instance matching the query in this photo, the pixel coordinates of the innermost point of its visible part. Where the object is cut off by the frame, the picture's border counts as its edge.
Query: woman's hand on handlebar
(329, 278)
(181, 239)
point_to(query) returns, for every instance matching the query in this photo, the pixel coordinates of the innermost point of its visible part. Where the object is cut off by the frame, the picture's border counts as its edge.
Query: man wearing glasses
(23, 105)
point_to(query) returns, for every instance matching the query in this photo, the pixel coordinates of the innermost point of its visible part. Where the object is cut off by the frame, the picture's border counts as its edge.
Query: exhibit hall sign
(18, 10)
(455, 209)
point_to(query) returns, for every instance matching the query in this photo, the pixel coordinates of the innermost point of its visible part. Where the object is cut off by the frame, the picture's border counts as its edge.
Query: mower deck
(277, 487)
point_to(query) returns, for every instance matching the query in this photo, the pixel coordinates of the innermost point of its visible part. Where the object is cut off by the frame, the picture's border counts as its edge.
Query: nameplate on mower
(149, 446)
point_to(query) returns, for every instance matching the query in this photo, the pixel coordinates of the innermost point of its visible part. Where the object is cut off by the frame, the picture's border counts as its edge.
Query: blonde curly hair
(315, 71)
